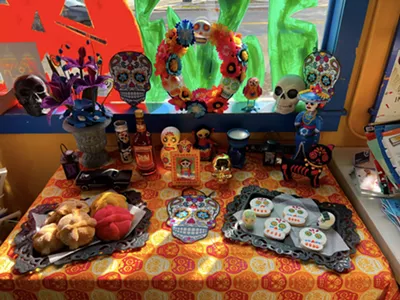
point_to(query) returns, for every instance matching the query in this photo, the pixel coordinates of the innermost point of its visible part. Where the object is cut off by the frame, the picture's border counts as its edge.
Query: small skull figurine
(229, 87)
(249, 219)
(313, 239)
(295, 215)
(191, 217)
(131, 72)
(30, 90)
(326, 220)
(222, 168)
(262, 206)
(202, 31)
(286, 92)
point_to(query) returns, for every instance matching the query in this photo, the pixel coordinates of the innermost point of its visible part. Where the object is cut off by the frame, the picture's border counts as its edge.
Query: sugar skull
(191, 217)
(326, 220)
(249, 219)
(170, 137)
(131, 72)
(295, 215)
(202, 31)
(323, 69)
(30, 90)
(261, 206)
(312, 238)
(286, 92)
(123, 136)
(229, 87)
(276, 228)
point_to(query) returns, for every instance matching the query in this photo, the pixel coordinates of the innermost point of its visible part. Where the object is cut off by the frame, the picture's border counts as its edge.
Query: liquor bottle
(142, 146)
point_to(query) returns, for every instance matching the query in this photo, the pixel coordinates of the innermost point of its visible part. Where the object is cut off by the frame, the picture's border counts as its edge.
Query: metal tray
(344, 226)
(28, 260)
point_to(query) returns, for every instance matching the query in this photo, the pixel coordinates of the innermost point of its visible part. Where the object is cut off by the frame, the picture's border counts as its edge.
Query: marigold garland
(231, 50)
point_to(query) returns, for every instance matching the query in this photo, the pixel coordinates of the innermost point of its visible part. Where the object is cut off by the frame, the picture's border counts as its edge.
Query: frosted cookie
(295, 215)
(261, 206)
(312, 238)
(276, 228)
(326, 220)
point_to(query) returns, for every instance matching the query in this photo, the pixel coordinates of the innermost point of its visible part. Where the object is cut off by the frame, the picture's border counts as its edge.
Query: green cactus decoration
(289, 38)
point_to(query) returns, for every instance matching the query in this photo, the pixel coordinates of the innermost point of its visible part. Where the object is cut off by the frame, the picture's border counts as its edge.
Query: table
(213, 268)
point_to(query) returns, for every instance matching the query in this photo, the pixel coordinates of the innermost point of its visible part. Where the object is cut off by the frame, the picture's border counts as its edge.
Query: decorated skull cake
(295, 215)
(276, 228)
(261, 206)
(312, 238)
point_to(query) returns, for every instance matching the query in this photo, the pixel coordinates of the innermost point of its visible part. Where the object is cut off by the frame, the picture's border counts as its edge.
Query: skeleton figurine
(30, 90)
(131, 72)
(285, 93)
(202, 31)
(170, 137)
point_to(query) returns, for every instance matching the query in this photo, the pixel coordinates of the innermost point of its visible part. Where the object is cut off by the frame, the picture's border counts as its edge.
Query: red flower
(178, 103)
(217, 105)
(231, 68)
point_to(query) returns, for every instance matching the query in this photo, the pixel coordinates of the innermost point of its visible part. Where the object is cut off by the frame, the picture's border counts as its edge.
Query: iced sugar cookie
(312, 238)
(295, 215)
(261, 206)
(276, 228)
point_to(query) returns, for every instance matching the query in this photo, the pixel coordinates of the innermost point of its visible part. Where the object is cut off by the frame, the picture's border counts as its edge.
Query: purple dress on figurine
(308, 125)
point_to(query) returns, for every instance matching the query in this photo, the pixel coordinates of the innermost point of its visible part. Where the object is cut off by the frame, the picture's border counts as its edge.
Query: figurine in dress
(170, 137)
(203, 142)
(252, 91)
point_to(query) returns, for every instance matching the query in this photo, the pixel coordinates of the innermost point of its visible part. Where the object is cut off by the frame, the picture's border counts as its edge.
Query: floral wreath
(231, 50)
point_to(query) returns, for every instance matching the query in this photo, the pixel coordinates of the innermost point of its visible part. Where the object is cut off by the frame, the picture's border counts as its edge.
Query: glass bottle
(142, 146)
(124, 141)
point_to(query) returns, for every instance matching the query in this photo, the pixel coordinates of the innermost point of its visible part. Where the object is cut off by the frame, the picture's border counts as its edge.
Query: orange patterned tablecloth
(213, 268)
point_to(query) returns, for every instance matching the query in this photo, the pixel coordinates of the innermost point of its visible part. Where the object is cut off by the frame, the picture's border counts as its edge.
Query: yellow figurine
(252, 91)
(170, 137)
(222, 168)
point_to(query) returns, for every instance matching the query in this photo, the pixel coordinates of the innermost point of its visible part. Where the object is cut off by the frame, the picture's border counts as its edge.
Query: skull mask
(295, 215)
(313, 239)
(202, 31)
(131, 72)
(286, 92)
(30, 90)
(191, 217)
(262, 206)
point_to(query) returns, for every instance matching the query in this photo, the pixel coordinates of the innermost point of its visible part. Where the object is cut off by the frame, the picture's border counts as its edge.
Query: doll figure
(252, 91)
(204, 143)
(170, 137)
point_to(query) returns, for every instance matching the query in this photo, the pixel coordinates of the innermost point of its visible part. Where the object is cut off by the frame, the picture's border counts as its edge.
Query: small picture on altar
(185, 166)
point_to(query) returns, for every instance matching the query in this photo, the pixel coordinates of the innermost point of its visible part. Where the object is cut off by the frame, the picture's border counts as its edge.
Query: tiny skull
(295, 215)
(286, 92)
(249, 219)
(261, 206)
(30, 90)
(131, 72)
(312, 238)
(191, 217)
(229, 87)
(276, 228)
(202, 30)
(123, 137)
(326, 220)
(126, 154)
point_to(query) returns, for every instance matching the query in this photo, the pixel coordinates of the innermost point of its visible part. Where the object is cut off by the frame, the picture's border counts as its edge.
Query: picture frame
(185, 165)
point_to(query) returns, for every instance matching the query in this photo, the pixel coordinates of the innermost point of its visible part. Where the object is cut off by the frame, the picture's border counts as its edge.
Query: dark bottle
(70, 162)
(142, 146)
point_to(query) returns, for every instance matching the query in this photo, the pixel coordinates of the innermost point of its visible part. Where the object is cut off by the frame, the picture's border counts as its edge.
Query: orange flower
(218, 32)
(185, 94)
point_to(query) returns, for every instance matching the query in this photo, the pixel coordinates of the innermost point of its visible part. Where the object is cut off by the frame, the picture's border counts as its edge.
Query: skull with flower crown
(131, 72)
(191, 217)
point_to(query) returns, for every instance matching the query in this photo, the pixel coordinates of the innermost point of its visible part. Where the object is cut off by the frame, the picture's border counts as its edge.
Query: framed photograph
(185, 165)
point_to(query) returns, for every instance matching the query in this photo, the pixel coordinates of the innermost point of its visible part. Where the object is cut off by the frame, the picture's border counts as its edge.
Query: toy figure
(185, 168)
(222, 168)
(170, 137)
(204, 143)
(252, 91)
(311, 166)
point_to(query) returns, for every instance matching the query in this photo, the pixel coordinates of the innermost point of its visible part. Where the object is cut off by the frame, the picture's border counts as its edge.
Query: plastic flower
(185, 94)
(163, 51)
(243, 55)
(316, 89)
(178, 103)
(185, 33)
(174, 65)
(231, 68)
(80, 62)
(199, 109)
(90, 81)
(217, 105)
(219, 32)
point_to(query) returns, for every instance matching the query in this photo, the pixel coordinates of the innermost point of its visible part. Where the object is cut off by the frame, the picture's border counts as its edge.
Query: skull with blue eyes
(191, 217)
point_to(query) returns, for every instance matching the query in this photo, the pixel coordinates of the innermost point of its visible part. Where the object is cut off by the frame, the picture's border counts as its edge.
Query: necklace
(308, 118)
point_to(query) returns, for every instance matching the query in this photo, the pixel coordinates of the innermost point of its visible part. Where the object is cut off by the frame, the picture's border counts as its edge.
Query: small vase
(91, 141)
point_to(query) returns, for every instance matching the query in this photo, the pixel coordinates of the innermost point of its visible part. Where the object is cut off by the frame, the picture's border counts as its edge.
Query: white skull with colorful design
(295, 215)
(261, 206)
(312, 238)
(276, 228)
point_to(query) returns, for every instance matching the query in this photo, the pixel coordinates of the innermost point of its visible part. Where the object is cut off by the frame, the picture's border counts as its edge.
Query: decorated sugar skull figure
(170, 137)
(249, 219)
(261, 206)
(276, 228)
(202, 30)
(326, 220)
(286, 93)
(312, 238)
(131, 72)
(229, 87)
(295, 215)
(321, 71)
(191, 217)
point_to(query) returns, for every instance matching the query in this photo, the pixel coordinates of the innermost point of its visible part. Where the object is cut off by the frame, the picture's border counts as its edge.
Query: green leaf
(232, 12)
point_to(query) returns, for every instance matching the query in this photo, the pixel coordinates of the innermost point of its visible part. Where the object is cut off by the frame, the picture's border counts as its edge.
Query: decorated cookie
(249, 218)
(312, 238)
(276, 228)
(326, 220)
(295, 215)
(261, 206)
